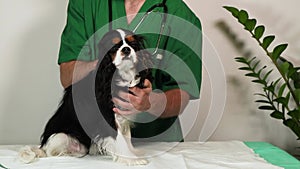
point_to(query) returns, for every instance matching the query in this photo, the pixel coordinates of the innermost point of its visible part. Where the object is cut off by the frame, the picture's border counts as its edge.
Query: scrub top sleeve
(74, 35)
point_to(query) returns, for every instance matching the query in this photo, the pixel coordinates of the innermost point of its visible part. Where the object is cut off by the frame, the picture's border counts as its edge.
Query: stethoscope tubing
(162, 25)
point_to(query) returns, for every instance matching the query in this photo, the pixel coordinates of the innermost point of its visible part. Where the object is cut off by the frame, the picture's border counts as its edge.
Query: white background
(29, 75)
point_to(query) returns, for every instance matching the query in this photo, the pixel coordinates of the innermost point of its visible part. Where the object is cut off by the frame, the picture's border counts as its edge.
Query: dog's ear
(107, 42)
(103, 48)
(144, 55)
(145, 59)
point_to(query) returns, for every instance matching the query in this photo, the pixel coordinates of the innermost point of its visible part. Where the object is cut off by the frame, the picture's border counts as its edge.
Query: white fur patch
(125, 152)
(120, 148)
(122, 33)
(61, 144)
(57, 145)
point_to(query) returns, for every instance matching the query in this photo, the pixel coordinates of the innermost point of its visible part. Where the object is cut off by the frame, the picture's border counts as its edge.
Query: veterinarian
(85, 17)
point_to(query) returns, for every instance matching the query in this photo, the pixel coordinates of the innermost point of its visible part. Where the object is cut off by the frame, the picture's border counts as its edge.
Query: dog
(76, 129)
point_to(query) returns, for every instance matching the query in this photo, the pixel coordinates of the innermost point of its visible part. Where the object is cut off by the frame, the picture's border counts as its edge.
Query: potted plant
(281, 95)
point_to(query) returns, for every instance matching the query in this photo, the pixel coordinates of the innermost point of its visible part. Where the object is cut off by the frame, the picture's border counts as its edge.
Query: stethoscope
(149, 11)
(162, 24)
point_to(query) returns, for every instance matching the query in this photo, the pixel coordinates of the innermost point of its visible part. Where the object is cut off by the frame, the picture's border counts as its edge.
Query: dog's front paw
(130, 161)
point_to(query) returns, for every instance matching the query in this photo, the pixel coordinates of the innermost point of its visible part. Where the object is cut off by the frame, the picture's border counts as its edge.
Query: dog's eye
(114, 48)
(134, 44)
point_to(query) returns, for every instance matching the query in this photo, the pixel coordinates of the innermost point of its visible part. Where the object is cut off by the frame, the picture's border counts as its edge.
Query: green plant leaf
(267, 75)
(296, 78)
(295, 114)
(260, 70)
(255, 65)
(259, 94)
(277, 115)
(250, 24)
(259, 81)
(249, 61)
(266, 107)
(259, 31)
(297, 84)
(292, 72)
(284, 68)
(245, 68)
(297, 93)
(282, 101)
(270, 88)
(252, 75)
(241, 60)
(1, 166)
(243, 17)
(276, 82)
(288, 95)
(267, 41)
(262, 101)
(278, 51)
(281, 90)
(234, 11)
(294, 126)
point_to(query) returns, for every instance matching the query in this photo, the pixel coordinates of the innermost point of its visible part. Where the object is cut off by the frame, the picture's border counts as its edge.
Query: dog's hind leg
(61, 144)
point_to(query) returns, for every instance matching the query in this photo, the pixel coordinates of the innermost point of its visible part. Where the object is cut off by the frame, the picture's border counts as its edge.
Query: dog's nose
(126, 51)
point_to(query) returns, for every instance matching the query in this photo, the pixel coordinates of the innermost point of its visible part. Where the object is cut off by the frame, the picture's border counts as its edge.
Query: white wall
(30, 88)
(241, 119)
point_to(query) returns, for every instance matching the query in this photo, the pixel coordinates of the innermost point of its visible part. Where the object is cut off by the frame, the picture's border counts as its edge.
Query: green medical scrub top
(181, 44)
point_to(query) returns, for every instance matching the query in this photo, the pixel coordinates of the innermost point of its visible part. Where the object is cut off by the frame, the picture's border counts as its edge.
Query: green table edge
(274, 155)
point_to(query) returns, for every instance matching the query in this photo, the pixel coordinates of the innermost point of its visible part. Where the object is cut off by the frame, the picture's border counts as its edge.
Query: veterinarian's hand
(136, 101)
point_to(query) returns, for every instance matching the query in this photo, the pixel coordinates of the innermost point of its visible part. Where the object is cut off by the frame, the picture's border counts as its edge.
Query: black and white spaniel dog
(85, 121)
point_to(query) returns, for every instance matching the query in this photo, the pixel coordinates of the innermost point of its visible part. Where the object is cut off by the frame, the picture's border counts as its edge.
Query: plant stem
(277, 66)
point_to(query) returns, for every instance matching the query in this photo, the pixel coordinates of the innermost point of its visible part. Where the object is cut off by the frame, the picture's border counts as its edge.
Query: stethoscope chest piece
(159, 56)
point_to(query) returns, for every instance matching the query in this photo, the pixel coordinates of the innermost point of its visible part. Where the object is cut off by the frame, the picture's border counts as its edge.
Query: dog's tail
(29, 154)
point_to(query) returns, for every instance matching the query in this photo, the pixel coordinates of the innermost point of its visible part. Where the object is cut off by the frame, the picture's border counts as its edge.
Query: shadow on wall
(34, 90)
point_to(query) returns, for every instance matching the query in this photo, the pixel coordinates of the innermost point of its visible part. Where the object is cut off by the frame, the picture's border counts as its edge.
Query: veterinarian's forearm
(168, 104)
(68, 74)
